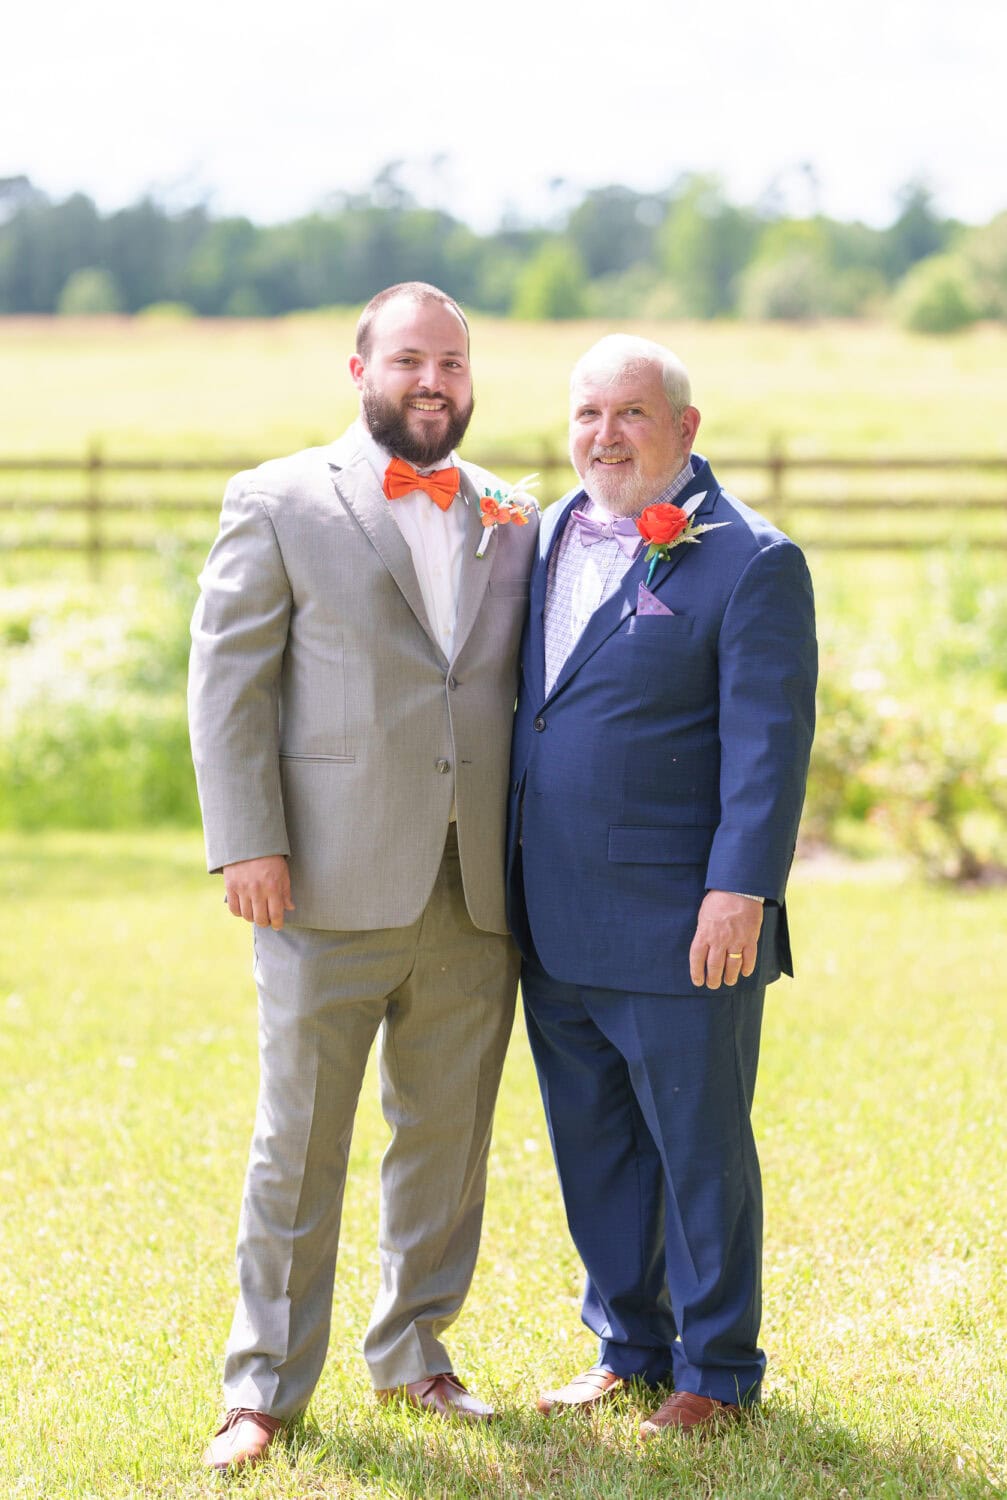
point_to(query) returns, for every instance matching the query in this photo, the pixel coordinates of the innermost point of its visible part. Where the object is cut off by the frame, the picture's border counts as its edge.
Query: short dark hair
(416, 291)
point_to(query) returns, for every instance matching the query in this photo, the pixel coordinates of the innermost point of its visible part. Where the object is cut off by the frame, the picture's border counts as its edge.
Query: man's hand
(259, 890)
(726, 941)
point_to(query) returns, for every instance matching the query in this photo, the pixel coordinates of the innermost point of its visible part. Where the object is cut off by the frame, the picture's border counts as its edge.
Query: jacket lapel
(606, 618)
(475, 572)
(360, 492)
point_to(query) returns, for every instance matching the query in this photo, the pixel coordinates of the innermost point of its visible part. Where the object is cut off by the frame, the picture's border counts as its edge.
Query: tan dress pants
(441, 993)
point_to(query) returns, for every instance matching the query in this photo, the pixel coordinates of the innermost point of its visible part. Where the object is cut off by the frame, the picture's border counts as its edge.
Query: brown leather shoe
(443, 1394)
(242, 1438)
(583, 1391)
(689, 1413)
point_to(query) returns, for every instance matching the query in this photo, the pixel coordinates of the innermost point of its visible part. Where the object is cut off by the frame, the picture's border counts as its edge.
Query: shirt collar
(379, 457)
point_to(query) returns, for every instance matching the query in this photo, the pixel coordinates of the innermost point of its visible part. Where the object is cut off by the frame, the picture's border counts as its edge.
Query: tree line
(685, 252)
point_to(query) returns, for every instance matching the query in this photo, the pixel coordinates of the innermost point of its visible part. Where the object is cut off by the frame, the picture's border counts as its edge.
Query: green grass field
(128, 1063)
(231, 391)
(217, 387)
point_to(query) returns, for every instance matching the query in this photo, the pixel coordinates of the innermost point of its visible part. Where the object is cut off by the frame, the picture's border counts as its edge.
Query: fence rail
(858, 496)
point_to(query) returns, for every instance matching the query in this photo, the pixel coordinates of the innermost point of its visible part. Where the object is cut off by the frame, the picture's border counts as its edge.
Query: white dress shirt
(435, 537)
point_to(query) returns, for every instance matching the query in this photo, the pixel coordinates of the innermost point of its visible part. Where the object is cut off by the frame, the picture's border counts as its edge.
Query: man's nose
(607, 430)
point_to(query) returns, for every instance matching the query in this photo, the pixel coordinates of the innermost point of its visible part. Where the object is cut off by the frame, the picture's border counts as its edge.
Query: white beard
(624, 492)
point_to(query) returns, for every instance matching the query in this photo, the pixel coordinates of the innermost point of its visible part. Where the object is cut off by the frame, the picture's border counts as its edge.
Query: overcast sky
(266, 110)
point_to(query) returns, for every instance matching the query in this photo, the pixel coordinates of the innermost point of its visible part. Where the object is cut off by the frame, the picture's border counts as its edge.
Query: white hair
(618, 353)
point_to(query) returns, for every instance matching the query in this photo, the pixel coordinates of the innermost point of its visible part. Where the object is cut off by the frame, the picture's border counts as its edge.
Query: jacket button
(444, 767)
(539, 724)
(452, 683)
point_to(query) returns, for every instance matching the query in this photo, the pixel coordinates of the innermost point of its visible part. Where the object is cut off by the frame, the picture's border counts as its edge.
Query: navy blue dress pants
(648, 1101)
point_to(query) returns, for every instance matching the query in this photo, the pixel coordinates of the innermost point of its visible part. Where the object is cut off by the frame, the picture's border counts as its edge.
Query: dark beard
(388, 425)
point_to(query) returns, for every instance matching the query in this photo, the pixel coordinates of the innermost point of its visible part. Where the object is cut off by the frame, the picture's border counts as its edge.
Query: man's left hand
(727, 936)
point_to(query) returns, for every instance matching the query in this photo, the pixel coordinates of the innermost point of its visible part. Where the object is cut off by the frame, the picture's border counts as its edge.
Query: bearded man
(660, 754)
(352, 688)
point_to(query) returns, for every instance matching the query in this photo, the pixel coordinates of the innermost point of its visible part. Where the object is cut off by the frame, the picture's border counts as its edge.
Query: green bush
(911, 742)
(245, 302)
(846, 738)
(792, 289)
(984, 250)
(941, 784)
(937, 296)
(90, 292)
(929, 778)
(972, 636)
(552, 285)
(639, 292)
(123, 765)
(167, 312)
(912, 729)
(92, 708)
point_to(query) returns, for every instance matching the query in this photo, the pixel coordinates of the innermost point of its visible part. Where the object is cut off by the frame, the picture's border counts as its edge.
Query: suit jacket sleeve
(767, 673)
(239, 631)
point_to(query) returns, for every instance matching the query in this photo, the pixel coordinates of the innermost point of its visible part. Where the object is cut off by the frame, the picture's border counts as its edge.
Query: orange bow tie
(402, 479)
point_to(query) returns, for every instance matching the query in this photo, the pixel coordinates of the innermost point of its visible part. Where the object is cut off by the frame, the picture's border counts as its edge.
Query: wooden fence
(89, 505)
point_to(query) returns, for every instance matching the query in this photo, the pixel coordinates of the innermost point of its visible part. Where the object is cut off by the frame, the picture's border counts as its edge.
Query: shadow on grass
(782, 1451)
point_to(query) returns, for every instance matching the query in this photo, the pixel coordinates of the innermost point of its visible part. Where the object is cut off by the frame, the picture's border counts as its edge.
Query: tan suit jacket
(326, 722)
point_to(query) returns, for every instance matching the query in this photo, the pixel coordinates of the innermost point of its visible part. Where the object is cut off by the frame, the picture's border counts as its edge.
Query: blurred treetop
(683, 252)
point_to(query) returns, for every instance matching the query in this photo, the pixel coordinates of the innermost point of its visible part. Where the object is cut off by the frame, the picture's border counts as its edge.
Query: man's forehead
(413, 325)
(642, 383)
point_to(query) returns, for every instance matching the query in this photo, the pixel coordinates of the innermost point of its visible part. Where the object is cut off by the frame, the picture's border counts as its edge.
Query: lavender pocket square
(649, 604)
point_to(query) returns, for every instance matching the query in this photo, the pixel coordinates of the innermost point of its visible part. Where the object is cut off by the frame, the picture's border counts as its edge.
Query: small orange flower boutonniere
(510, 509)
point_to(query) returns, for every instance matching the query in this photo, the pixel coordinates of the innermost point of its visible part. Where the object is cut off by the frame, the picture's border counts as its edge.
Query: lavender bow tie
(622, 529)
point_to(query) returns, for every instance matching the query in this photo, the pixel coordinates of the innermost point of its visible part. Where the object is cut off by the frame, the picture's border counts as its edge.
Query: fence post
(93, 500)
(776, 466)
(549, 465)
(545, 471)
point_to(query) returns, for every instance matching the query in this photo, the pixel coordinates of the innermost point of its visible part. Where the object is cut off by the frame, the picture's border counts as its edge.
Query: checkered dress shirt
(582, 578)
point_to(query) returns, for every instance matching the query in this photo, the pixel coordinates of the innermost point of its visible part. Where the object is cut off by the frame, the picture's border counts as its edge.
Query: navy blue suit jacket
(669, 759)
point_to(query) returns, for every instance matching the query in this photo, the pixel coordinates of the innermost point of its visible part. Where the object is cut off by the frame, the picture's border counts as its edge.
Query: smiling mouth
(611, 463)
(426, 405)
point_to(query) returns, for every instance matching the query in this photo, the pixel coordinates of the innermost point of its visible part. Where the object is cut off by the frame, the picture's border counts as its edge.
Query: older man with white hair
(659, 760)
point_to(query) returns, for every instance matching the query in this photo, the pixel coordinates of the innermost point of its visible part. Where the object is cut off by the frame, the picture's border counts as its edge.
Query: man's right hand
(259, 890)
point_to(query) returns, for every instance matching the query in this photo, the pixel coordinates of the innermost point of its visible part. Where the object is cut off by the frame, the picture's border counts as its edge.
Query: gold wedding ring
(735, 955)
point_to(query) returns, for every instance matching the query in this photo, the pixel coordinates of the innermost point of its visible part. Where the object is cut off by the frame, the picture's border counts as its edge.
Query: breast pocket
(669, 658)
(660, 627)
(339, 760)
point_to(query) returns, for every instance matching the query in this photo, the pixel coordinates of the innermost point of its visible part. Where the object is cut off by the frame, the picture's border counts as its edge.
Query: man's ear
(356, 370)
(690, 426)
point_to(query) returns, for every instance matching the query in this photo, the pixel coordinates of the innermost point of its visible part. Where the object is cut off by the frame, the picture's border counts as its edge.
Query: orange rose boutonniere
(664, 526)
